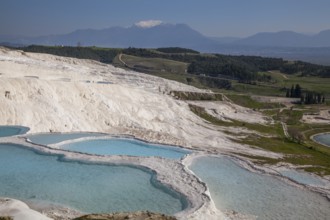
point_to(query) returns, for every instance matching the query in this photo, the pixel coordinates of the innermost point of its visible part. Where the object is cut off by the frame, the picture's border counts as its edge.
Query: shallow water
(131, 147)
(235, 188)
(302, 177)
(323, 138)
(6, 131)
(53, 138)
(27, 175)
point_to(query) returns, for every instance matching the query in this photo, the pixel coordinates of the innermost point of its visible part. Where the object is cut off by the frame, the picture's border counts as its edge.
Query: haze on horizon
(237, 18)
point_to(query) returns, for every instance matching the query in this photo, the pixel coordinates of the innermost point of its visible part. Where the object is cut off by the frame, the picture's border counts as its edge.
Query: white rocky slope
(51, 93)
(19, 210)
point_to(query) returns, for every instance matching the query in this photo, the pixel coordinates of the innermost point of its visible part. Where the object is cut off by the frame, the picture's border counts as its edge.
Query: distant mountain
(287, 39)
(322, 39)
(225, 40)
(285, 44)
(162, 35)
(171, 35)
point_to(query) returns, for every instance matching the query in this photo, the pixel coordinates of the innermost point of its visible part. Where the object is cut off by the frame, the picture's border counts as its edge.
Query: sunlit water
(54, 138)
(27, 175)
(132, 147)
(323, 138)
(235, 188)
(6, 131)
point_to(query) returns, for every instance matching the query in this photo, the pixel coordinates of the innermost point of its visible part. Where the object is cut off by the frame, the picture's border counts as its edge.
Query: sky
(218, 18)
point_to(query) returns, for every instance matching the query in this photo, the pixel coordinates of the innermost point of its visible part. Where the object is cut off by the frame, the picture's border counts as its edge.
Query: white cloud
(148, 23)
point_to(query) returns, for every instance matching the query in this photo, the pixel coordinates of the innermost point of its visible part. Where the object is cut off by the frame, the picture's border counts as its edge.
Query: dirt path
(285, 129)
(120, 56)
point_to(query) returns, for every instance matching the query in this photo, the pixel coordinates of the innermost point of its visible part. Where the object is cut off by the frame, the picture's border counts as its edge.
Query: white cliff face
(63, 94)
(60, 94)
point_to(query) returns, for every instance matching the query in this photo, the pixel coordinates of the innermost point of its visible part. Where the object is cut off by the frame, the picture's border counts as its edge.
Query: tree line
(93, 53)
(308, 97)
(246, 69)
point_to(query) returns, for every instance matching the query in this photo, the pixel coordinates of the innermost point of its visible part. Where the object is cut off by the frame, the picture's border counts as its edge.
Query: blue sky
(237, 18)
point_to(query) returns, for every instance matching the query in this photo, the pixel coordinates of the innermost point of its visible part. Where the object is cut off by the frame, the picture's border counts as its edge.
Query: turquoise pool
(235, 188)
(30, 176)
(6, 131)
(323, 138)
(54, 138)
(131, 147)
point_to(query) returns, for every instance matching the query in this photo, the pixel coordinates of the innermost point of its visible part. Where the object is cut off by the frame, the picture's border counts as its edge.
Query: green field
(281, 82)
(155, 65)
(165, 68)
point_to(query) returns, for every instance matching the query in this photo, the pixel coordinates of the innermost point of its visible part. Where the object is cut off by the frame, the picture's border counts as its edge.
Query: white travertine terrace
(55, 94)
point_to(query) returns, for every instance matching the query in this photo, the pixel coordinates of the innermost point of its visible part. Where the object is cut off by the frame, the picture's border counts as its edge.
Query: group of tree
(305, 69)
(294, 92)
(307, 97)
(176, 50)
(214, 82)
(312, 98)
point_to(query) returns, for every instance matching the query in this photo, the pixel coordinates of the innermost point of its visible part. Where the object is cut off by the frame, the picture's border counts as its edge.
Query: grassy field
(280, 82)
(310, 83)
(176, 71)
(155, 65)
(165, 68)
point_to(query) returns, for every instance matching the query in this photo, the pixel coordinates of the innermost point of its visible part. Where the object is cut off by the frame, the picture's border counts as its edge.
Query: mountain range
(287, 39)
(286, 44)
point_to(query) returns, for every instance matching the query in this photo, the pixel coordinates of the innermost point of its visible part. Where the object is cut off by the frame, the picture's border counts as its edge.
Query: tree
(297, 91)
(287, 93)
(302, 99)
(292, 91)
(189, 80)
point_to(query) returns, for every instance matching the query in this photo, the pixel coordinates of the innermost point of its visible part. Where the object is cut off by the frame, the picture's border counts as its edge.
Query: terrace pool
(235, 188)
(323, 139)
(54, 138)
(6, 131)
(302, 177)
(124, 146)
(29, 176)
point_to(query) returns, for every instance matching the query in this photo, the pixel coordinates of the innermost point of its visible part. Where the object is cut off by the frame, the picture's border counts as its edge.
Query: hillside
(51, 93)
(247, 74)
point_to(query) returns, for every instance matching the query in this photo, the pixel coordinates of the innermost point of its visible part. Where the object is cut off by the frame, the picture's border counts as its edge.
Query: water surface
(235, 188)
(6, 131)
(302, 177)
(131, 147)
(323, 138)
(54, 138)
(91, 188)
